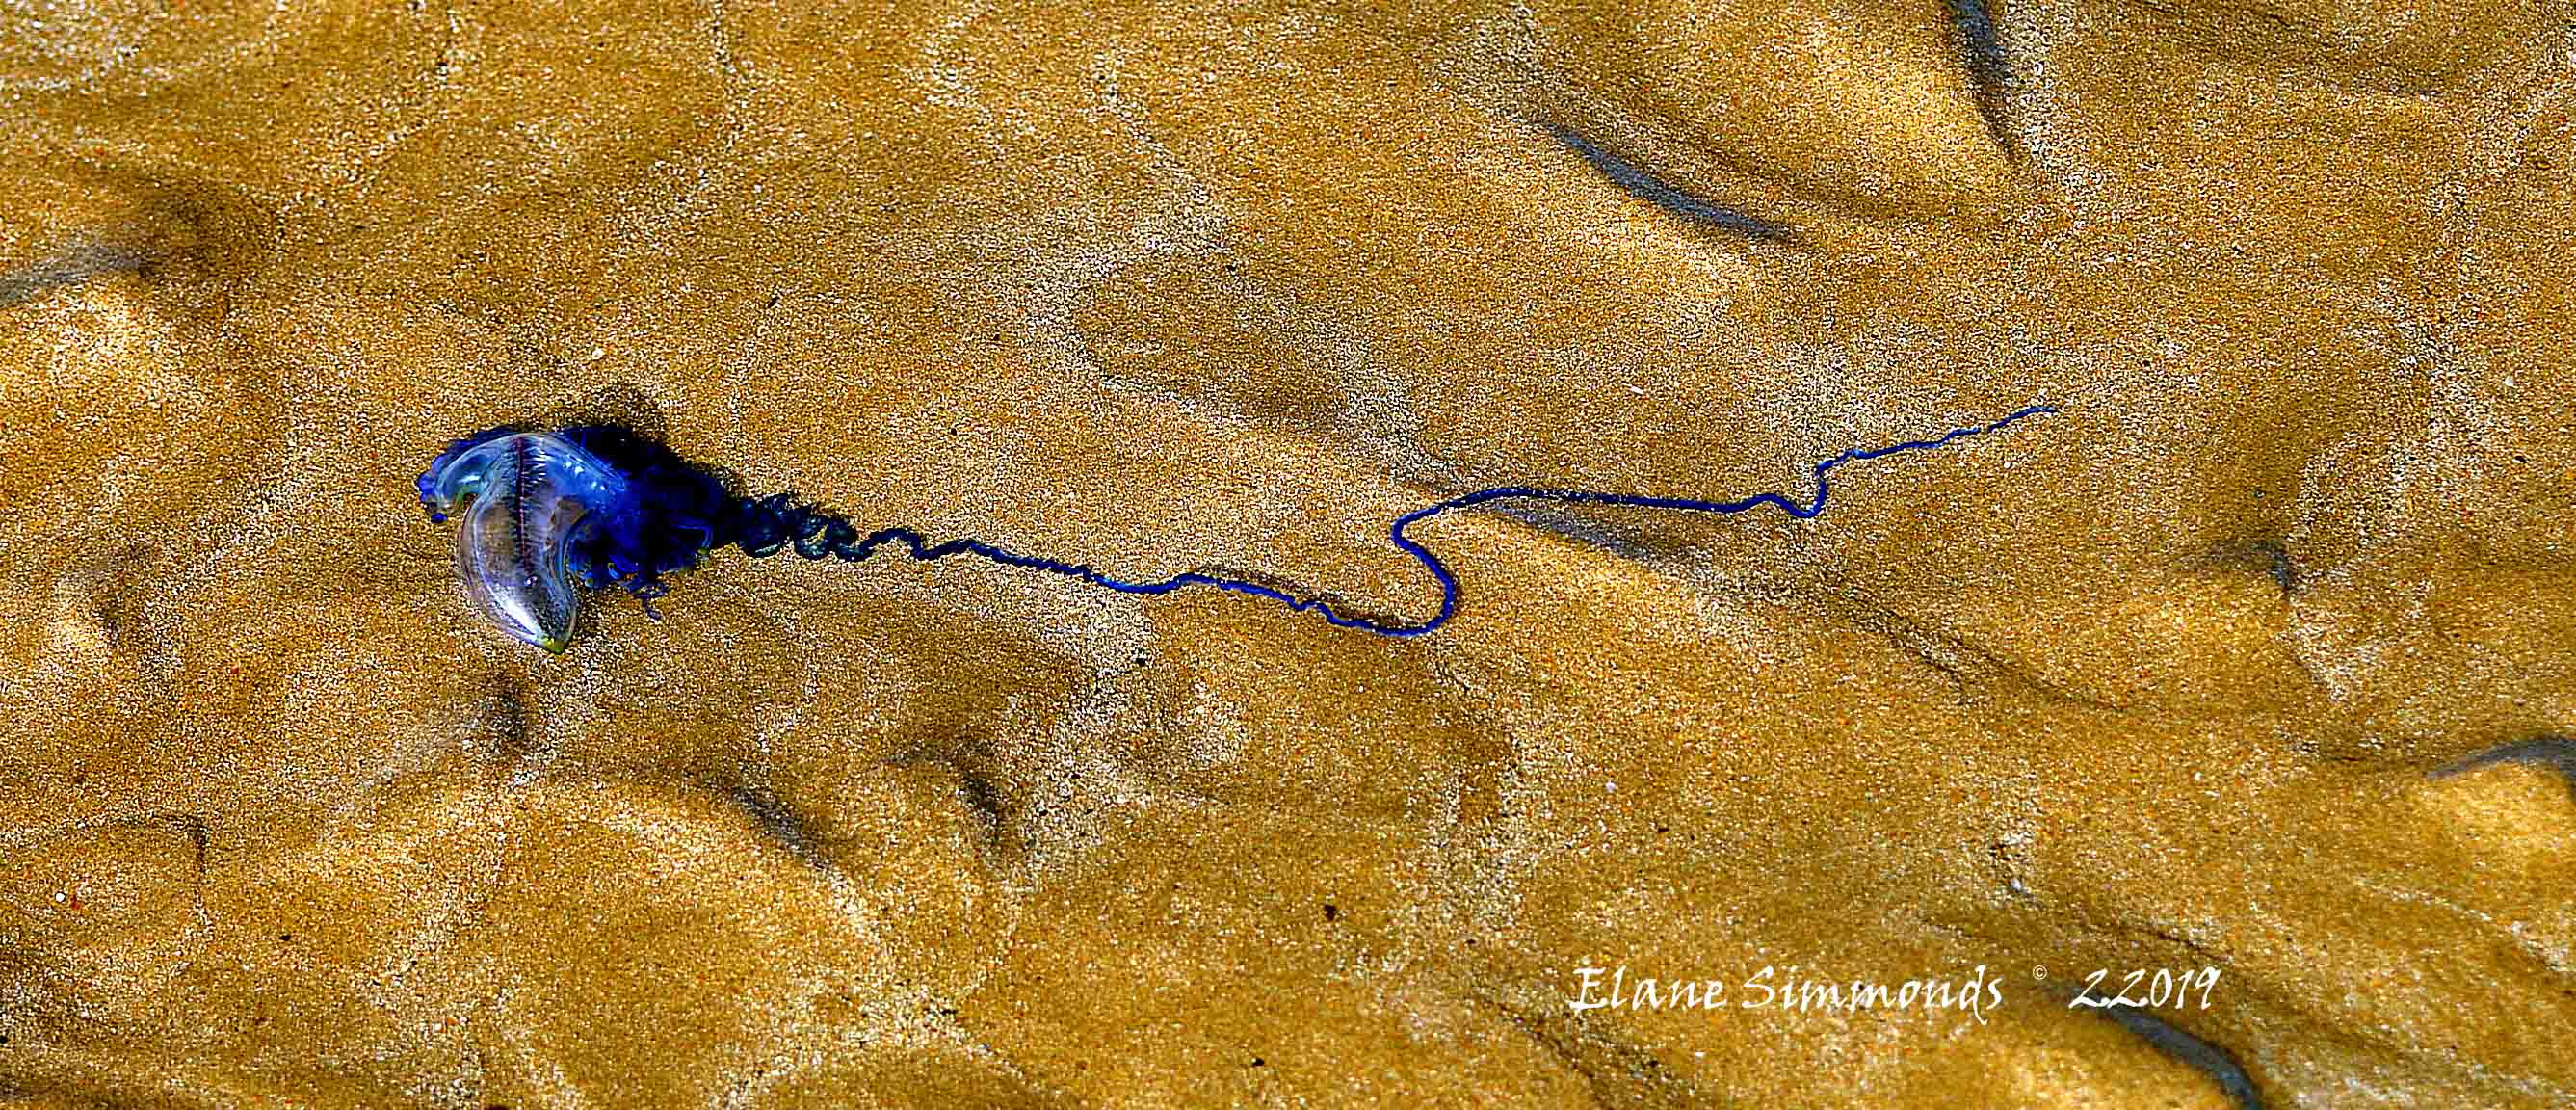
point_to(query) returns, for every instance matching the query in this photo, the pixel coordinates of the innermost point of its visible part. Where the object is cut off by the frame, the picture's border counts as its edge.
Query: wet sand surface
(2255, 657)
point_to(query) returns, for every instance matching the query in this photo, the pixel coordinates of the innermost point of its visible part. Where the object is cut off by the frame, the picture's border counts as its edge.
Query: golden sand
(2165, 681)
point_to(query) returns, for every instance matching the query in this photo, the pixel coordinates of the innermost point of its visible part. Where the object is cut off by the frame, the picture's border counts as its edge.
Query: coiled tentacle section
(547, 513)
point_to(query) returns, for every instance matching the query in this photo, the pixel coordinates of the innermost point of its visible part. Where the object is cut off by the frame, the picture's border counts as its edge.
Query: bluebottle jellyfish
(548, 516)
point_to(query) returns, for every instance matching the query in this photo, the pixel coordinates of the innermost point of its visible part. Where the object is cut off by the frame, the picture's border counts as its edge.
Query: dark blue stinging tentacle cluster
(667, 512)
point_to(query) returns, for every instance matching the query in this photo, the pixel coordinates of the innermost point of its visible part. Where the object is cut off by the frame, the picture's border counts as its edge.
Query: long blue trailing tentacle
(767, 526)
